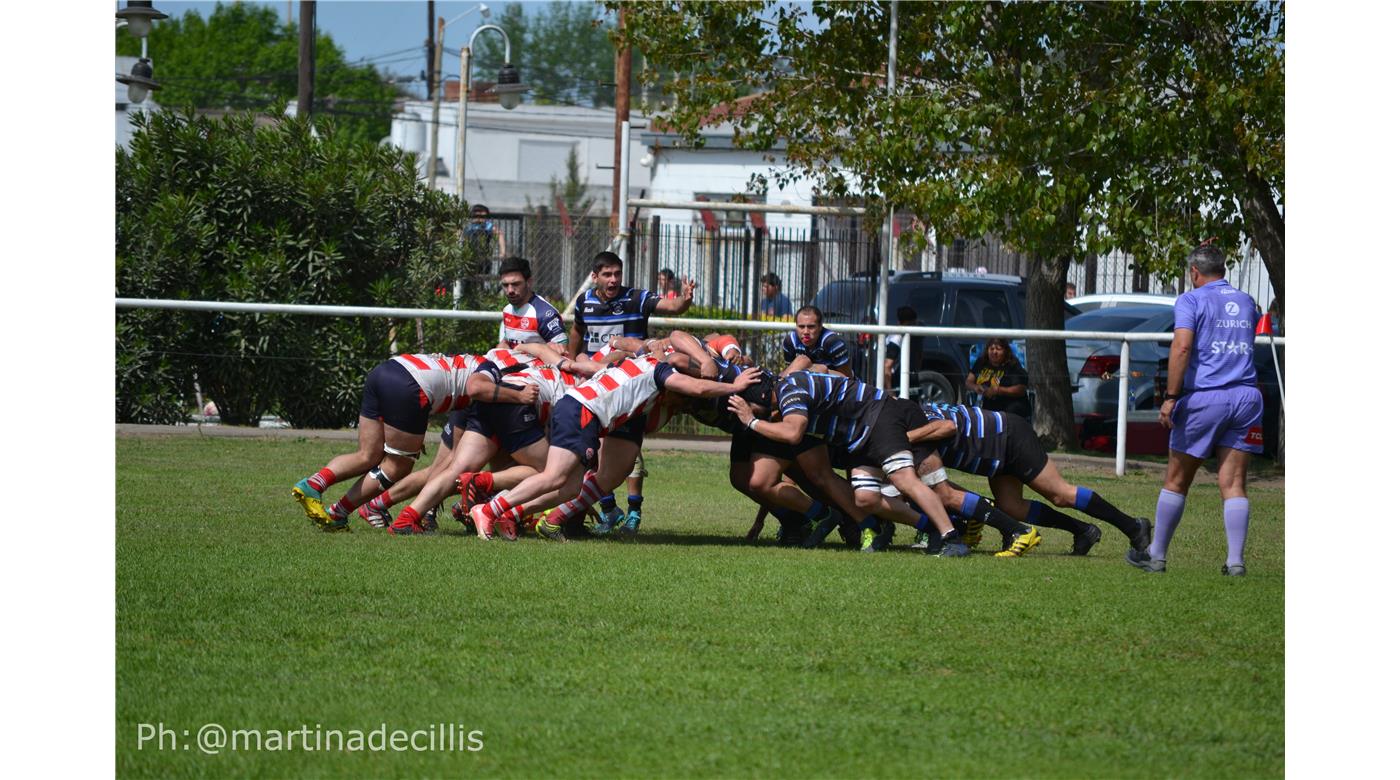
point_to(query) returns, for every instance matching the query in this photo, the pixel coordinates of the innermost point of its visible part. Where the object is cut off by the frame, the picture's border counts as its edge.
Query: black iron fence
(727, 262)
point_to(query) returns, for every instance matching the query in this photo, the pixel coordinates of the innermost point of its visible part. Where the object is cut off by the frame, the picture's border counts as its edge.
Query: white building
(717, 171)
(512, 155)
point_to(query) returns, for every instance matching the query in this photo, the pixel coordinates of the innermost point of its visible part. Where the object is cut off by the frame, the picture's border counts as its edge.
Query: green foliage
(1062, 128)
(243, 57)
(562, 50)
(223, 210)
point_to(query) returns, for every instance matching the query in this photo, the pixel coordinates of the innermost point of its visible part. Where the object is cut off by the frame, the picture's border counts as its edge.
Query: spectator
(1001, 379)
(666, 284)
(1071, 291)
(774, 305)
(484, 241)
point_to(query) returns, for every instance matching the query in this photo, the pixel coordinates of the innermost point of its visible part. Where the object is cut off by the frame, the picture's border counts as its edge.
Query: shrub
(225, 210)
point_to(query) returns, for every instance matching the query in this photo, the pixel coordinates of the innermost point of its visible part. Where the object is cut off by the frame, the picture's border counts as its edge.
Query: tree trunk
(1054, 413)
(1265, 226)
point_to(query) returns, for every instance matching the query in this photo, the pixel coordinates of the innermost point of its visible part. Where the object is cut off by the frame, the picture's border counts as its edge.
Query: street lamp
(139, 83)
(437, 88)
(138, 15)
(508, 88)
(137, 18)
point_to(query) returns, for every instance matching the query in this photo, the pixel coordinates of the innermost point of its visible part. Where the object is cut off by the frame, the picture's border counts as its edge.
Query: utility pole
(428, 48)
(437, 107)
(306, 58)
(622, 74)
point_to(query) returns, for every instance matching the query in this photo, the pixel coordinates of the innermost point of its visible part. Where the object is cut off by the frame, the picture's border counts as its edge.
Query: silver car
(1094, 366)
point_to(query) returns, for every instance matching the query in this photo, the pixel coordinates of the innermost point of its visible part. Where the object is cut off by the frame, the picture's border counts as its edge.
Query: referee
(1212, 406)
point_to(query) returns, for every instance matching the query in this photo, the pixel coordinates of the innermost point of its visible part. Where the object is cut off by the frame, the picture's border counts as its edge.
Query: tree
(1211, 157)
(562, 50)
(223, 210)
(1032, 121)
(243, 57)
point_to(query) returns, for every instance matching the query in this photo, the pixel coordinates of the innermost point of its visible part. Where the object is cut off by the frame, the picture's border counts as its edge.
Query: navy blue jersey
(625, 315)
(715, 411)
(838, 409)
(978, 446)
(829, 351)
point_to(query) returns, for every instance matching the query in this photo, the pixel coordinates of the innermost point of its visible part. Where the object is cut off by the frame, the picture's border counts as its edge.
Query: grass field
(686, 652)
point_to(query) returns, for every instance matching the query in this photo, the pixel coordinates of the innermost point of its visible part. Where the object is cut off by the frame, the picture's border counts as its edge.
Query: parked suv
(947, 299)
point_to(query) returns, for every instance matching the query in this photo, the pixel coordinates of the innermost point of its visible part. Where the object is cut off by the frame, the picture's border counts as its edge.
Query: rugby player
(811, 347)
(849, 414)
(529, 323)
(760, 468)
(611, 309)
(1212, 406)
(399, 396)
(1004, 448)
(616, 405)
(516, 429)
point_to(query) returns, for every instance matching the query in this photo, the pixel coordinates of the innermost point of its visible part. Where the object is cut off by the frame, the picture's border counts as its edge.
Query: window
(981, 309)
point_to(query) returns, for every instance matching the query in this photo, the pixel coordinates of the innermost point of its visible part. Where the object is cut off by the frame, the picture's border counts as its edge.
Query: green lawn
(686, 652)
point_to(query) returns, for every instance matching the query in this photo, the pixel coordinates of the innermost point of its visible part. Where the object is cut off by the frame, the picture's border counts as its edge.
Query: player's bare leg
(399, 451)
(562, 475)
(368, 452)
(470, 453)
(616, 457)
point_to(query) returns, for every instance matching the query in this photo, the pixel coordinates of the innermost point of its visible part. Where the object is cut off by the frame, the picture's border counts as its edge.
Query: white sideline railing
(696, 323)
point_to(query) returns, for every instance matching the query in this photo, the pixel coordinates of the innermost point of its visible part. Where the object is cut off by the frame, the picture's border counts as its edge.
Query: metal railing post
(1124, 371)
(904, 342)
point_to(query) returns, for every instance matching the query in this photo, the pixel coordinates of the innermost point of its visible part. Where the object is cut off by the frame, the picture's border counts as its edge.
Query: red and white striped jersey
(536, 322)
(552, 383)
(443, 378)
(506, 358)
(621, 392)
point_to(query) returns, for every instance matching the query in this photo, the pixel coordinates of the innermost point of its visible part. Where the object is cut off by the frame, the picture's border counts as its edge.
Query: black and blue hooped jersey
(838, 409)
(979, 444)
(624, 315)
(830, 350)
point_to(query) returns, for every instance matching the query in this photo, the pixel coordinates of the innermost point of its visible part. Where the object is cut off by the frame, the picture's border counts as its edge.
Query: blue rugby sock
(979, 508)
(607, 502)
(817, 509)
(634, 502)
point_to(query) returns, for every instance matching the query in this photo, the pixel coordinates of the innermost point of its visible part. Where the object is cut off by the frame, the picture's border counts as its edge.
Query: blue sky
(376, 30)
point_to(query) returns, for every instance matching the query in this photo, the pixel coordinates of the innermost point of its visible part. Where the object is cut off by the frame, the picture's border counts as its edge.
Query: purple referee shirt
(1223, 319)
